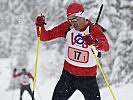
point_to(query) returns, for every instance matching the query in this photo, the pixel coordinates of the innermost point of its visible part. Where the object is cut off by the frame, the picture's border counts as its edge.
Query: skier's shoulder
(64, 25)
(28, 73)
(97, 27)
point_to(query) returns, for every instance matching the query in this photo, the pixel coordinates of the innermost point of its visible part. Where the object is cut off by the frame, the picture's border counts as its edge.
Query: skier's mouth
(75, 26)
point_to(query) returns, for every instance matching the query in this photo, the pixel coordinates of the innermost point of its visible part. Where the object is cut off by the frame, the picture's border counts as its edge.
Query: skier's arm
(58, 31)
(16, 75)
(102, 43)
(30, 76)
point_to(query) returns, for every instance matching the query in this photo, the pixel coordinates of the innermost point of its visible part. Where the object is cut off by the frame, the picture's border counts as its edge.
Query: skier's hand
(89, 39)
(40, 21)
(14, 70)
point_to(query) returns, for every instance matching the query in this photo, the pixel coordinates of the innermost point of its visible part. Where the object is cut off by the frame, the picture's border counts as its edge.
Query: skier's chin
(77, 28)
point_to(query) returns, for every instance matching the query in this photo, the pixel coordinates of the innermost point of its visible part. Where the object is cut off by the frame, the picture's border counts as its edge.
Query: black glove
(40, 21)
(89, 40)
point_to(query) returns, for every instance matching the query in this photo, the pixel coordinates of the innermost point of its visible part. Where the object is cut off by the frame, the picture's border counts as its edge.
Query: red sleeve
(58, 31)
(30, 76)
(16, 75)
(102, 40)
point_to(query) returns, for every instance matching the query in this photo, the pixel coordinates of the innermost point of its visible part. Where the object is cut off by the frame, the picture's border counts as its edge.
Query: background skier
(24, 81)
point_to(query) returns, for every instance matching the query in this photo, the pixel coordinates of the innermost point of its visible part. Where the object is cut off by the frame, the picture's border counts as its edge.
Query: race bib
(78, 55)
(24, 79)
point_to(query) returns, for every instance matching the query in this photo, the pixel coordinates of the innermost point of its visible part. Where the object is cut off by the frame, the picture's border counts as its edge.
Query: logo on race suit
(78, 40)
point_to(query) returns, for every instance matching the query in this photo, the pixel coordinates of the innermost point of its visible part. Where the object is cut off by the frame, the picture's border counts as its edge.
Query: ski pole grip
(42, 15)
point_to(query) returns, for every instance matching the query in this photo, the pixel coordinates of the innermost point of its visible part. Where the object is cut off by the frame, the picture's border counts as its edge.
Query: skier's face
(77, 22)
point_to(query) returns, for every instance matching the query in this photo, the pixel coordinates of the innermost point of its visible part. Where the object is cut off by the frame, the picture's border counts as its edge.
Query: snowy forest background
(18, 38)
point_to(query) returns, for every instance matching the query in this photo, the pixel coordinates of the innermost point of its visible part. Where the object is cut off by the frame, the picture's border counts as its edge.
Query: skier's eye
(73, 19)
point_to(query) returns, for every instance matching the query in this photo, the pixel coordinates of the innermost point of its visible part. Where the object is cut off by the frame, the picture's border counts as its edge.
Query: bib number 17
(78, 55)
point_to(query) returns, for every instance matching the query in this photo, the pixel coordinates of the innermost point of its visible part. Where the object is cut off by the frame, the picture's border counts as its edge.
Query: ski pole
(36, 64)
(99, 14)
(105, 78)
(98, 63)
(99, 53)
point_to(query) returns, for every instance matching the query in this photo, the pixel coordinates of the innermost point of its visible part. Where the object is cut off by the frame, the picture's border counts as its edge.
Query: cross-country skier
(80, 67)
(24, 81)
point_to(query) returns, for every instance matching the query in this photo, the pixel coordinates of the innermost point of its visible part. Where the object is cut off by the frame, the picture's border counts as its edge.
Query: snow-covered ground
(44, 91)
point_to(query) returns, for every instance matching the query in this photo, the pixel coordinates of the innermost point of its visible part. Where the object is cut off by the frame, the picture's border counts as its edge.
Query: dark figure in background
(24, 81)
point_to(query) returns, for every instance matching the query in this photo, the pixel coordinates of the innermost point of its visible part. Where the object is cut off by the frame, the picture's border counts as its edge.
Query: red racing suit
(62, 30)
(24, 77)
